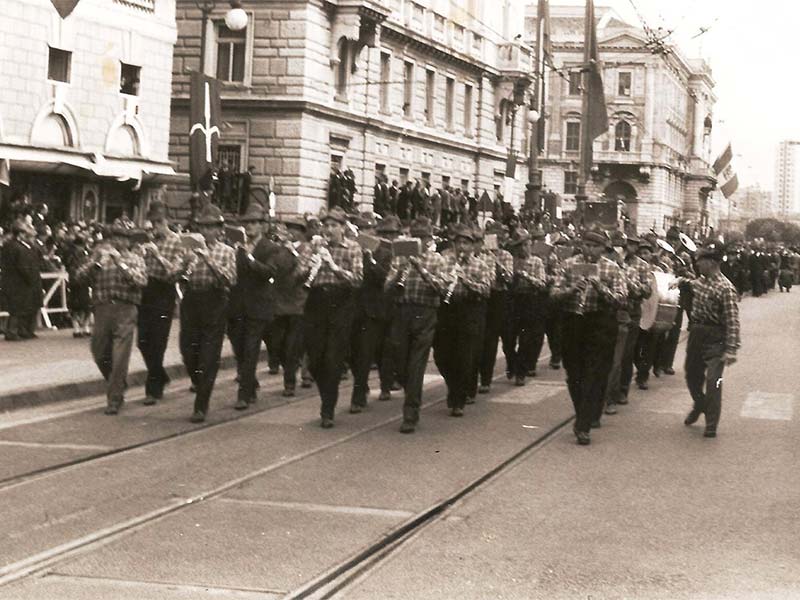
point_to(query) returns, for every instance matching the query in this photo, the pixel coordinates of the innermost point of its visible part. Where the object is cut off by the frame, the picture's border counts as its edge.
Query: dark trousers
(202, 333)
(666, 356)
(526, 324)
(552, 327)
(588, 349)
(647, 349)
(477, 349)
(539, 327)
(704, 368)
(251, 335)
(154, 325)
(235, 330)
(286, 340)
(112, 342)
(21, 324)
(369, 346)
(457, 334)
(496, 323)
(328, 325)
(626, 368)
(412, 334)
(615, 373)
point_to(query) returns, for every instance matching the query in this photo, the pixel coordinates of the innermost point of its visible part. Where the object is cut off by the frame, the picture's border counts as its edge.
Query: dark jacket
(252, 297)
(21, 278)
(373, 302)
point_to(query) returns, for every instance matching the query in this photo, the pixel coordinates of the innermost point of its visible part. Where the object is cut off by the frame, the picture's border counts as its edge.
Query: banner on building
(723, 169)
(65, 7)
(204, 132)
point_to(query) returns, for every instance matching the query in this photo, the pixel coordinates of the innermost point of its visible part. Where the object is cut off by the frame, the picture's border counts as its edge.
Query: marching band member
(257, 264)
(117, 275)
(497, 307)
(682, 267)
(713, 337)
(286, 331)
(337, 270)
(648, 342)
(552, 309)
(419, 282)
(480, 314)
(165, 259)
(526, 318)
(210, 274)
(540, 303)
(373, 317)
(458, 325)
(590, 305)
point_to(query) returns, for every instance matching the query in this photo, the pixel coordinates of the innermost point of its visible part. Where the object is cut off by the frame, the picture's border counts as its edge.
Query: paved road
(269, 504)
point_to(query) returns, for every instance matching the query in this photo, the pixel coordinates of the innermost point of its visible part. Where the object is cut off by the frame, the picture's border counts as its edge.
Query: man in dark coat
(22, 282)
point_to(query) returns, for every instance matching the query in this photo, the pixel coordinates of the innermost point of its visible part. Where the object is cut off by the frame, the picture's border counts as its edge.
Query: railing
(148, 5)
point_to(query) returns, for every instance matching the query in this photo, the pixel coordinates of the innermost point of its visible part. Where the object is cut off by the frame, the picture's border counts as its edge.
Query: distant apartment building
(85, 105)
(786, 200)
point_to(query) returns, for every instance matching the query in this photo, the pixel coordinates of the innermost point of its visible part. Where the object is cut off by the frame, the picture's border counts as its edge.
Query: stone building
(786, 191)
(656, 153)
(424, 90)
(84, 105)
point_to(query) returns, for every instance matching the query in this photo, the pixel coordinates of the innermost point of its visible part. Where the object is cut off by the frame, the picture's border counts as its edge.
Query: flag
(65, 7)
(5, 172)
(723, 169)
(204, 114)
(595, 117)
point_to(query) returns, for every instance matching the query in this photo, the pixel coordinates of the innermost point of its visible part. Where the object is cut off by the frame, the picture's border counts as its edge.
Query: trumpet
(401, 282)
(455, 275)
(318, 243)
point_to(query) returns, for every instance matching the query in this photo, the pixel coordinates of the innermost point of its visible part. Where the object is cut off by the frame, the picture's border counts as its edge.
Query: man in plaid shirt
(117, 276)
(165, 258)
(459, 320)
(714, 336)
(329, 310)
(590, 297)
(418, 282)
(210, 274)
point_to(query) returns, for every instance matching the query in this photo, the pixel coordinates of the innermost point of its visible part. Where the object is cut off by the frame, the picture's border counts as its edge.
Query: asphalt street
(499, 504)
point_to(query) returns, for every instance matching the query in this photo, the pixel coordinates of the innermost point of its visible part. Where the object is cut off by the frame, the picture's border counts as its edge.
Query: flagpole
(534, 185)
(585, 139)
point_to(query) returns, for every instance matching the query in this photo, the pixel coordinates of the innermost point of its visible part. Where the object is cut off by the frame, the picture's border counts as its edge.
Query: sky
(751, 47)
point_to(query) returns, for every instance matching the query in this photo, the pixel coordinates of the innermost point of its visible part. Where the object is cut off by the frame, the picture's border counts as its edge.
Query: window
(430, 95)
(622, 137)
(477, 44)
(624, 83)
(59, 65)
(438, 26)
(574, 83)
(129, 79)
(231, 48)
(570, 182)
(468, 109)
(458, 36)
(386, 77)
(573, 136)
(449, 98)
(230, 156)
(408, 89)
(403, 175)
(342, 70)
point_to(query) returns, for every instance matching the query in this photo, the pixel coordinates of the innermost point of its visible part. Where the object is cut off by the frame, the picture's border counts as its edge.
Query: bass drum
(661, 308)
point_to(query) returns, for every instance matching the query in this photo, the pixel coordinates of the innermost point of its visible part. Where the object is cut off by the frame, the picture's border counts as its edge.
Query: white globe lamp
(236, 17)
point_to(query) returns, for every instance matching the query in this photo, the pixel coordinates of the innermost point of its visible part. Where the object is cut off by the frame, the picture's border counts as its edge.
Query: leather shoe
(710, 432)
(198, 417)
(273, 371)
(583, 438)
(407, 427)
(622, 400)
(555, 366)
(356, 409)
(149, 401)
(484, 389)
(531, 373)
(305, 384)
(642, 385)
(384, 396)
(669, 371)
(288, 392)
(456, 412)
(596, 424)
(326, 423)
(656, 372)
(396, 387)
(519, 381)
(470, 400)
(611, 409)
(112, 409)
(692, 417)
(241, 404)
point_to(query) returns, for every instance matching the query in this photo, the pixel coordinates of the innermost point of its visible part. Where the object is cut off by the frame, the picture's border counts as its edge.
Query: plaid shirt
(476, 276)
(218, 269)
(529, 274)
(168, 264)
(416, 289)
(349, 258)
(613, 294)
(639, 276)
(715, 302)
(115, 279)
(503, 264)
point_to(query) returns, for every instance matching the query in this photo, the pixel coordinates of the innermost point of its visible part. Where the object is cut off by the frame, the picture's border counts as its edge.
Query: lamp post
(235, 20)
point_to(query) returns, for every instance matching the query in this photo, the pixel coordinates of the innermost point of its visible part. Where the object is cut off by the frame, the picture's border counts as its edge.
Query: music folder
(407, 247)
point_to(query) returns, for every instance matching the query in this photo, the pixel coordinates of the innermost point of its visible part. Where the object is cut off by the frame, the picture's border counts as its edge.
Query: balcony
(515, 59)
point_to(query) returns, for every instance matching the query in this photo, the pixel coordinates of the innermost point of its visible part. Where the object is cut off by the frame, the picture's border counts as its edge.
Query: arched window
(622, 137)
(343, 70)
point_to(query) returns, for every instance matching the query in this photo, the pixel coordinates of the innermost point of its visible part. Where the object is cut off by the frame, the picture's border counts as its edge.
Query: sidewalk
(59, 367)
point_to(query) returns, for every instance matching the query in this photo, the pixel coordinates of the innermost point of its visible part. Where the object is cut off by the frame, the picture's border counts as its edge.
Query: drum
(661, 308)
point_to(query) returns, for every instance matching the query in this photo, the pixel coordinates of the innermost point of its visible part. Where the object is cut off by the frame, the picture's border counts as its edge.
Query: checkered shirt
(476, 276)
(115, 280)
(417, 290)
(172, 259)
(503, 264)
(529, 275)
(613, 294)
(348, 257)
(715, 302)
(217, 270)
(638, 274)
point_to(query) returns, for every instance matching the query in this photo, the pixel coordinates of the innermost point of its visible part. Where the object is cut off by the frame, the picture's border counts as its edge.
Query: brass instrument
(401, 282)
(455, 274)
(317, 244)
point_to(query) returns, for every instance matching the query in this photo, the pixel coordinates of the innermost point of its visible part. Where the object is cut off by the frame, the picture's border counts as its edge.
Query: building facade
(655, 156)
(411, 90)
(786, 200)
(84, 105)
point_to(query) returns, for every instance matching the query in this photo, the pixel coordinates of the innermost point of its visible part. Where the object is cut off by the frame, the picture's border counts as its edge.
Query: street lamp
(235, 20)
